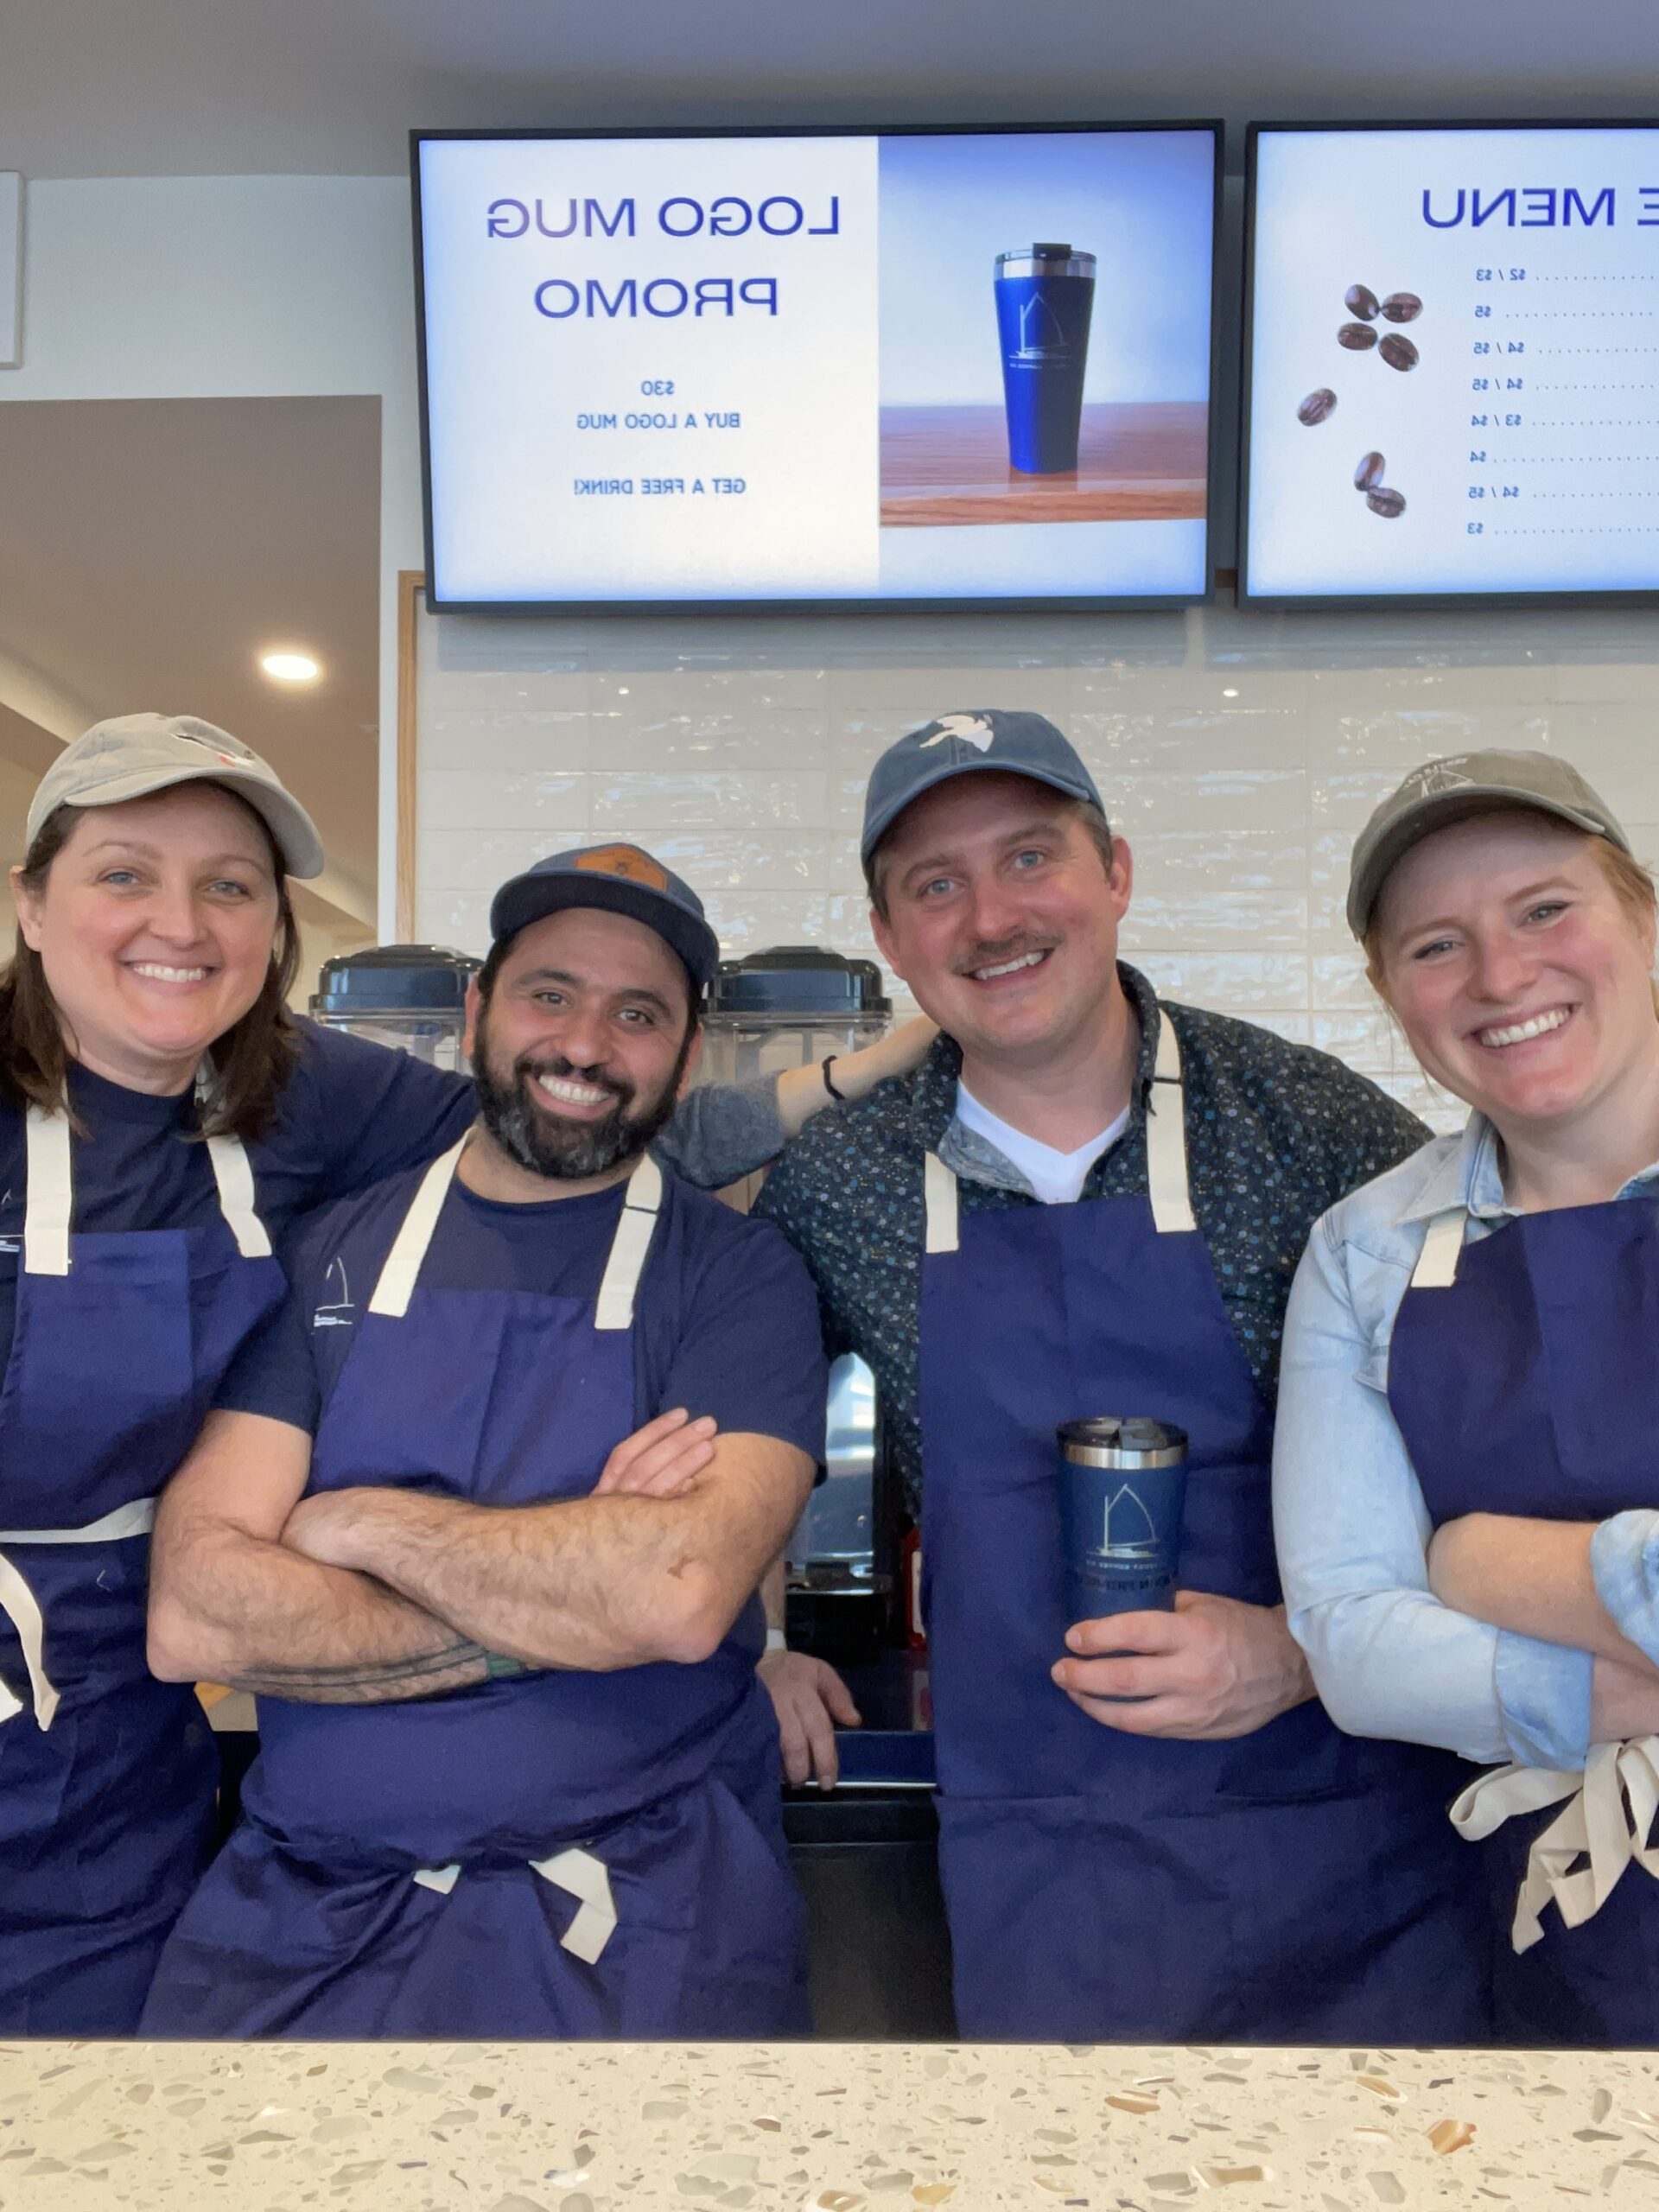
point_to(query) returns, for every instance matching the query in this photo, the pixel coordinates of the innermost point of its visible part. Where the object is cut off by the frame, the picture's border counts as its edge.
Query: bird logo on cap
(972, 729)
(625, 861)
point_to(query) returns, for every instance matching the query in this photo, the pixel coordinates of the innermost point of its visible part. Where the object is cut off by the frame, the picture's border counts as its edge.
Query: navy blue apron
(560, 1854)
(107, 1777)
(1295, 1885)
(1523, 1377)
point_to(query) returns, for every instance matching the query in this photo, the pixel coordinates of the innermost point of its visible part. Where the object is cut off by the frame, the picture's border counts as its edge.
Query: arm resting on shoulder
(1389, 1659)
(601, 1582)
(230, 1602)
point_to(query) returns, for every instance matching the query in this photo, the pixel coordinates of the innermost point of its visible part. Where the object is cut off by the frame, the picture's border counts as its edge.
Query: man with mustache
(1087, 1202)
(484, 1539)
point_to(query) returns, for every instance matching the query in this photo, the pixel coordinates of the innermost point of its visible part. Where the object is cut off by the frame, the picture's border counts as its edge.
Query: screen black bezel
(1410, 600)
(1087, 604)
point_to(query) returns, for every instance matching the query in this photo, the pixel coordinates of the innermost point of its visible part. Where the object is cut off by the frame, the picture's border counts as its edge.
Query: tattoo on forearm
(423, 1675)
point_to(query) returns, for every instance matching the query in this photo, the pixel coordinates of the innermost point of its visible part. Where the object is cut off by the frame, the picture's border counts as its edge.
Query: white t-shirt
(1057, 1178)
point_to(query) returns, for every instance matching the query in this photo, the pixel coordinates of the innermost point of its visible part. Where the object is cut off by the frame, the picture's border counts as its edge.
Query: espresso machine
(413, 996)
(795, 1006)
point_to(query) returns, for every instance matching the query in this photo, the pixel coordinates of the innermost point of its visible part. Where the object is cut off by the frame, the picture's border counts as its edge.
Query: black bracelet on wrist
(839, 1095)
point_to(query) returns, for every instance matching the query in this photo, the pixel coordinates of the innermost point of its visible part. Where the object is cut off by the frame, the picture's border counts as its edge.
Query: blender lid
(797, 979)
(394, 979)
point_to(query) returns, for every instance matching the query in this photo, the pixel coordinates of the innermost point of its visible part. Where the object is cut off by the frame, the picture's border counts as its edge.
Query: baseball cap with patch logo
(622, 880)
(1450, 790)
(134, 755)
(1006, 741)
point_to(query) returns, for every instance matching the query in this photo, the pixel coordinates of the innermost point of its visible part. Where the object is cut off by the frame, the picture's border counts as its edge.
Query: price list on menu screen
(1453, 363)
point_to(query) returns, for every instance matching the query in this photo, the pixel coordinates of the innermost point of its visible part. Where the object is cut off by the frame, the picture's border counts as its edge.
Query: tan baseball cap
(1444, 792)
(136, 754)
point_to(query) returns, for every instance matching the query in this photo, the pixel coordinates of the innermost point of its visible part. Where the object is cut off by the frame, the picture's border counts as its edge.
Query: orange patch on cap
(625, 861)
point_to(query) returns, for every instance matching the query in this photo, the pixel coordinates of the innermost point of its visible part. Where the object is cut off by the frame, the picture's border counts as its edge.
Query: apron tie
(1610, 1811)
(22, 1608)
(579, 1875)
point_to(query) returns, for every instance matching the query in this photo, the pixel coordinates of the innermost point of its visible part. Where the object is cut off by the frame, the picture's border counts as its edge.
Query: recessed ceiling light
(291, 668)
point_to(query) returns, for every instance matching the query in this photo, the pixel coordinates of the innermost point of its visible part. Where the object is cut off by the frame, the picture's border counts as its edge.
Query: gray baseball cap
(1465, 784)
(136, 754)
(623, 879)
(1006, 741)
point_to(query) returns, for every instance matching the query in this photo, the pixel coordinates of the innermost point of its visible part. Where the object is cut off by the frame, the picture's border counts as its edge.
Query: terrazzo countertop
(836, 2127)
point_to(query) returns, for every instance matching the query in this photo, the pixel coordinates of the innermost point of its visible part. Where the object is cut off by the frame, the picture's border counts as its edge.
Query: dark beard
(567, 1152)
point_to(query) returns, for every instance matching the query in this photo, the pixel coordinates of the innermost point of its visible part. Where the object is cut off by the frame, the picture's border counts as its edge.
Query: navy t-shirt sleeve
(380, 1110)
(749, 1350)
(274, 1373)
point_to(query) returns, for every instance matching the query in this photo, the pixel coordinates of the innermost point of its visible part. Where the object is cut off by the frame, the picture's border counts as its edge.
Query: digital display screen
(1453, 336)
(825, 368)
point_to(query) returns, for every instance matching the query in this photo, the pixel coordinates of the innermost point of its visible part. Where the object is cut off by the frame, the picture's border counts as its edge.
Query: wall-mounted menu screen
(839, 368)
(1453, 363)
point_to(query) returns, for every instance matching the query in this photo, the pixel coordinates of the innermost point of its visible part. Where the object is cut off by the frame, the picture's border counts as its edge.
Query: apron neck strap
(1437, 1263)
(640, 1207)
(1172, 1204)
(397, 1277)
(1166, 1180)
(641, 1204)
(49, 1202)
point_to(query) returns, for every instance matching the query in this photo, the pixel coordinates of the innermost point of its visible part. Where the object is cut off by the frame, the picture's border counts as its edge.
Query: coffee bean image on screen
(1317, 406)
(1386, 502)
(1399, 352)
(1368, 474)
(1401, 307)
(1357, 337)
(1360, 300)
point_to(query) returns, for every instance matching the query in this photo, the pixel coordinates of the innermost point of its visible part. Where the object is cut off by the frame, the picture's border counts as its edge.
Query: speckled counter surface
(561, 2127)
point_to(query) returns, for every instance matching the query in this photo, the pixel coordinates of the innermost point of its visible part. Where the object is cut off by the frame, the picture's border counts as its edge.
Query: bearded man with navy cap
(533, 1425)
(1088, 1202)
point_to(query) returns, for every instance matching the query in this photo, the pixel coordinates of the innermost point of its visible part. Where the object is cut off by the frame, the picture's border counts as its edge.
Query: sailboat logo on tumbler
(1127, 1537)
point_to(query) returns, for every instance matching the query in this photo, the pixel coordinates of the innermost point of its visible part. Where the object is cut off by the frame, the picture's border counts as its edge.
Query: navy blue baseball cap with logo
(623, 879)
(1001, 739)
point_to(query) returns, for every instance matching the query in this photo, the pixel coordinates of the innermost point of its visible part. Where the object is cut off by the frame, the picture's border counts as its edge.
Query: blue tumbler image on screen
(1123, 1489)
(1045, 297)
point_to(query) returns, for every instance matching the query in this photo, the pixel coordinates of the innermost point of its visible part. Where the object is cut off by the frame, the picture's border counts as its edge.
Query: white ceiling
(207, 87)
(149, 548)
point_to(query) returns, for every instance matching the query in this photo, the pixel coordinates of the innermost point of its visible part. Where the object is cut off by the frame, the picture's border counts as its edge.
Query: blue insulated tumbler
(1045, 294)
(1123, 1488)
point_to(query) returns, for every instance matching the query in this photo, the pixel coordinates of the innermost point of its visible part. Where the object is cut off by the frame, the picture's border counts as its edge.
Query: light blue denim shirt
(1389, 1659)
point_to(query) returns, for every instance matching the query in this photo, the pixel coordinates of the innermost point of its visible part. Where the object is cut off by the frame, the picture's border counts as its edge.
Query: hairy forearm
(1531, 1577)
(598, 1583)
(229, 1607)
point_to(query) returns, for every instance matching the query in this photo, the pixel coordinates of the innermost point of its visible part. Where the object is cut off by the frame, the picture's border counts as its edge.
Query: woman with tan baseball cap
(1466, 1482)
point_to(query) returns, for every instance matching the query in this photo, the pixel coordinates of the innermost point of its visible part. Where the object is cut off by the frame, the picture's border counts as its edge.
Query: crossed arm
(1534, 1578)
(356, 1596)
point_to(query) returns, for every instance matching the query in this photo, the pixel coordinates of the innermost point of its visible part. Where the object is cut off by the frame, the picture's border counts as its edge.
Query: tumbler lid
(1122, 1440)
(1049, 260)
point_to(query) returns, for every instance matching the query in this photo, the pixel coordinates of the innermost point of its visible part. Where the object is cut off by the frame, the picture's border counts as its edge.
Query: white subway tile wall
(1239, 751)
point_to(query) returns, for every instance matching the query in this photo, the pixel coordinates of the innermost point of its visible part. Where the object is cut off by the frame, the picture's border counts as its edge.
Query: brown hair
(251, 1062)
(1631, 884)
(1084, 810)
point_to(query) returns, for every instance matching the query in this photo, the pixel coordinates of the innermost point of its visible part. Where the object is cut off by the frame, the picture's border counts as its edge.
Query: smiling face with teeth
(1520, 975)
(1001, 915)
(156, 926)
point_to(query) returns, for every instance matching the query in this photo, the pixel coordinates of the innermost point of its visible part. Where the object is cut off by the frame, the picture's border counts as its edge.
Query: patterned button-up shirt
(1275, 1133)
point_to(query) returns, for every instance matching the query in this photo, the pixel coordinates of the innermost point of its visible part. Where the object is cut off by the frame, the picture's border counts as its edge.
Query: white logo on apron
(335, 1312)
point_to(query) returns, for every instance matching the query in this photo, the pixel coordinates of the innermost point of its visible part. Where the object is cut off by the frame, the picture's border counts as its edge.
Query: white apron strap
(640, 1207)
(48, 1196)
(1437, 1263)
(234, 1179)
(1606, 1821)
(19, 1605)
(397, 1277)
(1166, 1180)
(579, 1874)
(939, 1195)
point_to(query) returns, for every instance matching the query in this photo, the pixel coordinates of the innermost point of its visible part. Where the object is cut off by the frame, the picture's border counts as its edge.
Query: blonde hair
(1630, 883)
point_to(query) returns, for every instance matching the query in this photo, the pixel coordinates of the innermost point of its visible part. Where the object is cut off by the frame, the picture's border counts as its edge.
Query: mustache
(992, 953)
(554, 1064)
